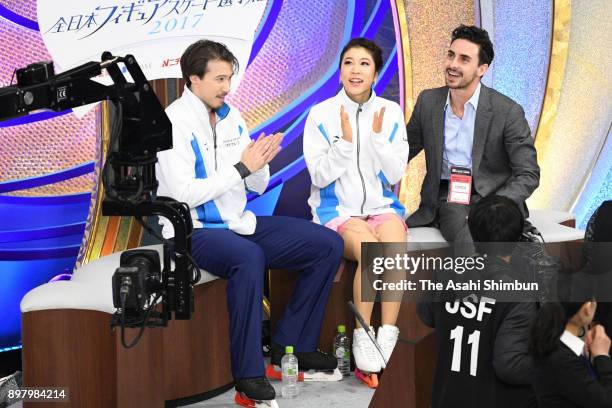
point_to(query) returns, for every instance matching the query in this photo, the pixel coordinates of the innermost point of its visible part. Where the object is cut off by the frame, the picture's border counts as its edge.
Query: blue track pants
(279, 243)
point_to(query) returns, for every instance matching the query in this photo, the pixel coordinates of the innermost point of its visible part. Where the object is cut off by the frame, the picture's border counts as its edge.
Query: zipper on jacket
(358, 168)
(214, 129)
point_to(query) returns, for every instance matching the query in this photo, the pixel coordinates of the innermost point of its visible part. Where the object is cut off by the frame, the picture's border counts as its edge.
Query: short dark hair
(370, 46)
(194, 60)
(549, 323)
(495, 219)
(477, 36)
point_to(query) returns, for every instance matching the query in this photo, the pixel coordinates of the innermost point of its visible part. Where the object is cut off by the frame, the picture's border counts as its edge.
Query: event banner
(156, 32)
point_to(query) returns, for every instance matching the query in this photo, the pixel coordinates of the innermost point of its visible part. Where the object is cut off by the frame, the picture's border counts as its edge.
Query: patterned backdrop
(551, 57)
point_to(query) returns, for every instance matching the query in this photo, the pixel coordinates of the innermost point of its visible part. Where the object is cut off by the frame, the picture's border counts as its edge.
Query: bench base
(78, 350)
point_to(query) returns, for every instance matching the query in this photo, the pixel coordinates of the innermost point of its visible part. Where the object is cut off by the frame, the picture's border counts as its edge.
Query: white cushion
(424, 238)
(546, 221)
(539, 216)
(89, 289)
(552, 232)
(102, 269)
(69, 295)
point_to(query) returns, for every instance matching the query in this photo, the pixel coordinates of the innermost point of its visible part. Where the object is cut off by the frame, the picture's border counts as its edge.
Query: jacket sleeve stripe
(207, 212)
(200, 170)
(393, 132)
(328, 208)
(324, 132)
(388, 193)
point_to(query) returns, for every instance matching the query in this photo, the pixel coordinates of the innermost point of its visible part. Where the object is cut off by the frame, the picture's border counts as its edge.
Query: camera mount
(140, 128)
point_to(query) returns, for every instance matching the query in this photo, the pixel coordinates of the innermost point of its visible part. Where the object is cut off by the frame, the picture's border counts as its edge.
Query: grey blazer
(503, 155)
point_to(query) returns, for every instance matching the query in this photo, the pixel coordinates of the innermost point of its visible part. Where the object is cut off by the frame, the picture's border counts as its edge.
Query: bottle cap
(288, 349)
(341, 329)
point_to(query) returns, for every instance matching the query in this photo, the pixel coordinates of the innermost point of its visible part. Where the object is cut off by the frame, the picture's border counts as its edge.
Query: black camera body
(35, 73)
(136, 280)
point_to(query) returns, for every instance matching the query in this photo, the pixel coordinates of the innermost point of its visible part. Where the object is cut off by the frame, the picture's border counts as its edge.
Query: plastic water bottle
(289, 366)
(342, 351)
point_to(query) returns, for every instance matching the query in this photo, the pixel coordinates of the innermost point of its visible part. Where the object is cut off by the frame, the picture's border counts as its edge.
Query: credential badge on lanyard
(460, 185)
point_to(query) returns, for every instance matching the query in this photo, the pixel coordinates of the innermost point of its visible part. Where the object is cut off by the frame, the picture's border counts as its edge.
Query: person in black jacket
(483, 358)
(598, 260)
(571, 371)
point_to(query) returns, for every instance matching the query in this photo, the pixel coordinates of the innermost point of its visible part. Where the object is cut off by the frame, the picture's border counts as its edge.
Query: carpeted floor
(346, 393)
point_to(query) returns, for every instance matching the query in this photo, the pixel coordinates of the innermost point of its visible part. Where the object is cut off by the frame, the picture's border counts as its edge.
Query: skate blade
(274, 373)
(369, 379)
(246, 402)
(323, 376)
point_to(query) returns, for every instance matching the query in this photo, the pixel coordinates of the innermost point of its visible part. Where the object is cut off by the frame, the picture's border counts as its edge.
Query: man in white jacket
(211, 167)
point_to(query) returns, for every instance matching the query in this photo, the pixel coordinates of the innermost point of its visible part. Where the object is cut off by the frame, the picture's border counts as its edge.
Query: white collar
(349, 103)
(473, 100)
(573, 342)
(201, 108)
(193, 98)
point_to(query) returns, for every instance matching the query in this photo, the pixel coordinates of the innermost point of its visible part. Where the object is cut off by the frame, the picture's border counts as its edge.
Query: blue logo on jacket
(208, 213)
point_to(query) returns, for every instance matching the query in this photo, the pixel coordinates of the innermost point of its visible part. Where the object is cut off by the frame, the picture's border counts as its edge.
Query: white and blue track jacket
(199, 169)
(354, 179)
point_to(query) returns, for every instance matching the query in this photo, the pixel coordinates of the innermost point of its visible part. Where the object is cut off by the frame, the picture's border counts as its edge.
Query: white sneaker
(367, 358)
(387, 337)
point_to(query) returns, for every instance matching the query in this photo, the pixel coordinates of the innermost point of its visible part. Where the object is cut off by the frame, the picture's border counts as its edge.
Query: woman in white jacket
(356, 149)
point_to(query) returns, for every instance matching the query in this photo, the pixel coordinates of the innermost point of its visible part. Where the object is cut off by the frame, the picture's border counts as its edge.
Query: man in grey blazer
(472, 134)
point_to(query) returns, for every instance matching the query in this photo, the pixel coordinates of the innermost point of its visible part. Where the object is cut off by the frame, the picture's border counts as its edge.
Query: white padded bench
(68, 342)
(89, 289)
(548, 222)
(91, 285)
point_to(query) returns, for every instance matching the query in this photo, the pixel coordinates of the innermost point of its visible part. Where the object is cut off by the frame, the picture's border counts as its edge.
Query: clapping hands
(347, 131)
(261, 151)
(378, 120)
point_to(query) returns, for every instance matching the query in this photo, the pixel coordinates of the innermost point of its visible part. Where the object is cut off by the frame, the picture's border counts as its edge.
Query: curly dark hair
(477, 36)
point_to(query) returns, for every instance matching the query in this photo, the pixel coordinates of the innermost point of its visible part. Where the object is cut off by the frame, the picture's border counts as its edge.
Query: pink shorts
(373, 221)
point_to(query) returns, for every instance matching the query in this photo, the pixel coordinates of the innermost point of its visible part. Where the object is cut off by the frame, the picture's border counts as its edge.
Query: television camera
(145, 292)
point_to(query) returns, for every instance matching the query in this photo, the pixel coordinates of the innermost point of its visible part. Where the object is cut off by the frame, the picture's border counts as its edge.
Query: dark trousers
(452, 217)
(279, 243)
(452, 221)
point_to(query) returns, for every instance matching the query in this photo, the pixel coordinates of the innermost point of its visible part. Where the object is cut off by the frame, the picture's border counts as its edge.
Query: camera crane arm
(129, 173)
(38, 88)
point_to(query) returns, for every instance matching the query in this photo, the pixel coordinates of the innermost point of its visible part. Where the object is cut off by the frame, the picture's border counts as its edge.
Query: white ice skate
(274, 373)
(367, 359)
(387, 338)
